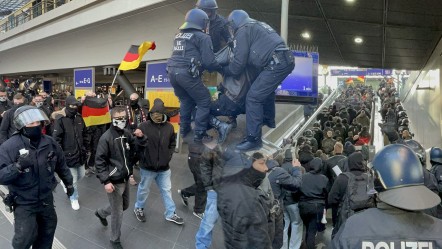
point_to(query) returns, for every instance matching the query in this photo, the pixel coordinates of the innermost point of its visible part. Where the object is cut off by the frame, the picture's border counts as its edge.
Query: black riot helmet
(436, 155)
(209, 6)
(400, 179)
(195, 19)
(27, 114)
(308, 133)
(238, 18)
(418, 149)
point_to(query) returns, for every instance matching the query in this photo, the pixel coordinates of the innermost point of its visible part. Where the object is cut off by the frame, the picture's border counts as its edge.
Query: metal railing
(25, 14)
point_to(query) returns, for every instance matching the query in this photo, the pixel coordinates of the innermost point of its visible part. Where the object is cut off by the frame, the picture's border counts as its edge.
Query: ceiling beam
(384, 31)
(321, 10)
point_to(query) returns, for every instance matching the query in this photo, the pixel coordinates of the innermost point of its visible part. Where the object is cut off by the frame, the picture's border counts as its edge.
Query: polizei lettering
(186, 36)
(398, 245)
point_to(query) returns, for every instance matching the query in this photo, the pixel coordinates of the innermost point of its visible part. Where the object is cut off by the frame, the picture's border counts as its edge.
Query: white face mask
(119, 123)
(38, 104)
(3, 99)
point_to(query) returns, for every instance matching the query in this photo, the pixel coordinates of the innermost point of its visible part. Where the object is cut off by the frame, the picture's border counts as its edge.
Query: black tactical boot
(251, 143)
(201, 137)
(222, 128)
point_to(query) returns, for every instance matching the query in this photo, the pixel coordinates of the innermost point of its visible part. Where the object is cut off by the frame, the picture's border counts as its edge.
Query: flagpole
(115, 77)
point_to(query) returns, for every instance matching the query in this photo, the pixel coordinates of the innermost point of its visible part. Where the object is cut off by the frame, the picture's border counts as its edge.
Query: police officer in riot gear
(397, 221)
(436, 170)
(218, 28)
(257, 44)
(28, 161)
(192, 53)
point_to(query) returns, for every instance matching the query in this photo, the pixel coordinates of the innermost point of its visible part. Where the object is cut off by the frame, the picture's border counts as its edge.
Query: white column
(284, 19)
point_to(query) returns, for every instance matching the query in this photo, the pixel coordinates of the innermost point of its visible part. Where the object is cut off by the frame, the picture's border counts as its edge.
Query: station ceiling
(9, 6)
(397, 34)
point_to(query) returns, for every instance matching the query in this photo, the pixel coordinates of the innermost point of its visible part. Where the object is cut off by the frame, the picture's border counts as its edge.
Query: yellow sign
(168, 97)
(81, 92)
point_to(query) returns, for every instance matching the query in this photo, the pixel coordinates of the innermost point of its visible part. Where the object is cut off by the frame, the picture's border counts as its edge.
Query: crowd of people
(261, 201)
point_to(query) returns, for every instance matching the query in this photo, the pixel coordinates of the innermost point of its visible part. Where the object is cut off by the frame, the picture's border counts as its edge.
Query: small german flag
(95, 111)
(134, 55)
(361, 79)
(349, 81)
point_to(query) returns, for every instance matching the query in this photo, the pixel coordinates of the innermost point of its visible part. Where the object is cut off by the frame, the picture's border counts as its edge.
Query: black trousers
(311, 215)
(197, 189)
(34, 226)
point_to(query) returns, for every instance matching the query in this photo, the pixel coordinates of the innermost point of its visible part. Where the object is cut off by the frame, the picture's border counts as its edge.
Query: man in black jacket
(245, 207)
(155, 155)
(114, 161)
(28, 161)
(70, 133)
(7, 127)
(282, 180)
(5, 103)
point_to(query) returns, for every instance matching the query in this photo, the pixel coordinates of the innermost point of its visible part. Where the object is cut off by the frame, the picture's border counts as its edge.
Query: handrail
(25, 14)
(330, 99)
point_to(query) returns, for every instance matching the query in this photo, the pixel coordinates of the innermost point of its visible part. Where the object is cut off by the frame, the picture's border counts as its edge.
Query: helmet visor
(30, 116)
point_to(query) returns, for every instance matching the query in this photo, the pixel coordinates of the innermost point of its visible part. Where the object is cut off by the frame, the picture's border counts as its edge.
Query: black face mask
(33, 133)
(70, 112)
(134, 103)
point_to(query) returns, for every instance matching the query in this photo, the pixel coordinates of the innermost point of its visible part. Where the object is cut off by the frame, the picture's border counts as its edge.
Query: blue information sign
(361, 72)
(156, 75)
(84, 78)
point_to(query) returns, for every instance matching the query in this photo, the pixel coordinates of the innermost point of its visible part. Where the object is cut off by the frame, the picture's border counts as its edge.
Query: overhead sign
(361, 72)
(84, 78)
(156, 75)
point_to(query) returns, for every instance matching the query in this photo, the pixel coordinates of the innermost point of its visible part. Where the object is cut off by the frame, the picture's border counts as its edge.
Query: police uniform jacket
(254, 44)
(192, 43)
(36, 183)
(390, 228)
(115, 156)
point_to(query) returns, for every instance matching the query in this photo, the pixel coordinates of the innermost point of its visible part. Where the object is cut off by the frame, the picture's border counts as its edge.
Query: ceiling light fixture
(305, 35)
(358, 40)
(350, 1)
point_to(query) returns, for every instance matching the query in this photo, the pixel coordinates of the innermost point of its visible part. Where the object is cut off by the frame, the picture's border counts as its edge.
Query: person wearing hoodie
(357, 166)
(155, 154)
(7, 127)
(312, 201)
(70, 133)
(281, 181)
(292, 218)
(305, 156)
(245, 205)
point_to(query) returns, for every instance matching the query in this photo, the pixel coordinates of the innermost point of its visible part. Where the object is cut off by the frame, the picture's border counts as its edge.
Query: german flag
(134, 55)
(95, 111)
(361, 79)
(349, 81)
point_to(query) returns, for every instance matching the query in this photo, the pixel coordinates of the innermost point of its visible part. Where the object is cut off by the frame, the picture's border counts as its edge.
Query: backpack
(356, 198)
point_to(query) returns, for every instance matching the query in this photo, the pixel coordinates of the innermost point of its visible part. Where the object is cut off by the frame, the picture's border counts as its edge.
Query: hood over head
(356, 162)
(315, 165)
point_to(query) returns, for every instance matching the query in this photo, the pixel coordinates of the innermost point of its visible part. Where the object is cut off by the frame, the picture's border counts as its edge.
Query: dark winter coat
(314, 184)
(71, 134)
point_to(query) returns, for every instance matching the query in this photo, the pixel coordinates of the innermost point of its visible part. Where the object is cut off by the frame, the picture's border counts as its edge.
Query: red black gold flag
(95, 111)
(134, 55)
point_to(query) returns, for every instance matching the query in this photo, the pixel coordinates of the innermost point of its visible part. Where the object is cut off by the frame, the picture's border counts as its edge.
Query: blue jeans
(77, 174)
(292, 218)
(163, 182)
(203, 237)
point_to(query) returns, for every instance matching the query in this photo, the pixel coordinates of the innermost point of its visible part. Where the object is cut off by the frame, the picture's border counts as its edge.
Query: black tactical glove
(69, 190)
(24, 162)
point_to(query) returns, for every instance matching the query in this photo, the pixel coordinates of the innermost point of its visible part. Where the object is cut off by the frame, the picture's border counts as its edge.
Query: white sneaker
(75, 205)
